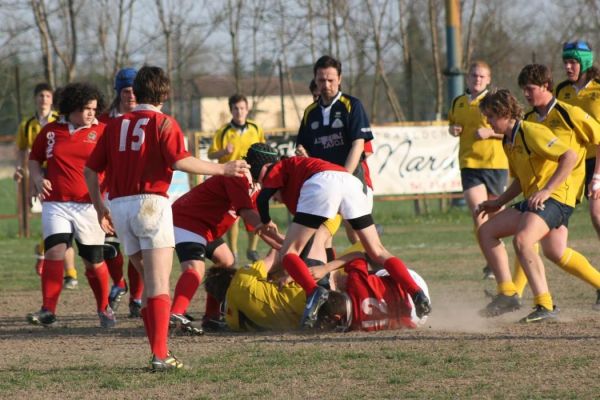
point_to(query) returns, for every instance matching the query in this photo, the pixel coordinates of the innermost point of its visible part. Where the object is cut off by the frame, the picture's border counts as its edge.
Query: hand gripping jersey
(66, 150)
(472, 152)
(138, 152)
(211, 208)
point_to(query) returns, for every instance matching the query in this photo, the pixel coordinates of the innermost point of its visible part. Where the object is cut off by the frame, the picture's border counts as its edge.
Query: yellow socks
(519, 277)
(506, 288)
(544, 300)
(576, 264)
(71, 272)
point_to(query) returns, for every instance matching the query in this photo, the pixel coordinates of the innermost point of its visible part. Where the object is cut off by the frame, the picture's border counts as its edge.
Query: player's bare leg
(555, 247)
(473, 197)
(594, 205)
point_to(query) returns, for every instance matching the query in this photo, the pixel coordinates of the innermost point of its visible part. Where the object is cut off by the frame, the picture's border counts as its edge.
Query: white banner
(414, 160)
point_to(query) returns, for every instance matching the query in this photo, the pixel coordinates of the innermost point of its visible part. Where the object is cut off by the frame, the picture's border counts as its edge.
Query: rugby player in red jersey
(67, 209)
(314, 190)
(123, 103)
(201, 217)
(139, 153)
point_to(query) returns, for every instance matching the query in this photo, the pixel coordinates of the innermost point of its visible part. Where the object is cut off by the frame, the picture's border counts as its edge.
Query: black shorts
(590, 164)
(493, 179)
(554, 213)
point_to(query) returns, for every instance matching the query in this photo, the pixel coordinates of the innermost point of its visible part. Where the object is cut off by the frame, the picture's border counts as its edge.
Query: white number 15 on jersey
(138, 134)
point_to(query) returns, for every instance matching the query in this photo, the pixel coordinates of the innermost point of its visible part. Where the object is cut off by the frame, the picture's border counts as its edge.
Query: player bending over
(201, 216)
(314, 190)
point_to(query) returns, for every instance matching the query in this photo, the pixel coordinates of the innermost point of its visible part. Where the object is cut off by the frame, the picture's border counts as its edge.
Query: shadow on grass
(18, 328)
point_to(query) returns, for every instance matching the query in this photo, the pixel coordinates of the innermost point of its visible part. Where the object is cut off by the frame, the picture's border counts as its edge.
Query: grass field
(457, 354)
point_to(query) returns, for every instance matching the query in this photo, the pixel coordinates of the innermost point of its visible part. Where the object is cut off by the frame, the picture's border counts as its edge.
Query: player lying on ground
(314, 190)
(201, 216)
(369, 302)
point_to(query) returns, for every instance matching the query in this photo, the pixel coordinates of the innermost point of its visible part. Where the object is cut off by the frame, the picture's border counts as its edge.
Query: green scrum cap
(258, 155)
(580, 51)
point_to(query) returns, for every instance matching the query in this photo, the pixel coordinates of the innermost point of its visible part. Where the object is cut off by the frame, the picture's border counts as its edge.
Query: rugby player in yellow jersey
(579, 130)
(582, 89)
(483, 164)
(231, 142)
(255, 303)
(541, 164)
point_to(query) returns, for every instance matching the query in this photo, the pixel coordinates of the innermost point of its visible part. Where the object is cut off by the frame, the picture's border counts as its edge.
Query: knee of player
(522, 243)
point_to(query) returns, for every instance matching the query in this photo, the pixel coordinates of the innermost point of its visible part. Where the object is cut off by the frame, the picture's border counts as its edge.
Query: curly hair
(75, 96)
(501, 103)
(217, 281)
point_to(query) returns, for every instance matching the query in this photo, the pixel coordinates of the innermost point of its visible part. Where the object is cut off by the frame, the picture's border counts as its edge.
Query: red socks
(52, 282)
(136, 283)
(298, 270)
(213, 308)
(115, 268)
(399, 273)
(184, 291)
(98, 280)
(156, 319)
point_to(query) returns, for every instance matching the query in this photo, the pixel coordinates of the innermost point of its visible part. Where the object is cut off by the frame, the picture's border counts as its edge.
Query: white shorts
(183, 235)
(80, 219)
(328, 193)
(143, 222)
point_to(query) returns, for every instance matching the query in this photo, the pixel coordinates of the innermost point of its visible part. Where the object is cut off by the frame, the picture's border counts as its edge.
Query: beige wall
(215, 112)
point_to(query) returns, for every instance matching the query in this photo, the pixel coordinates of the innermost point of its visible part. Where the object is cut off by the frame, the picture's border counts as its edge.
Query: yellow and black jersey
(586, 98)
(29, 129)
(253, 303)
(242, 137)
(533, 152)
(574, 127)
(475, 153)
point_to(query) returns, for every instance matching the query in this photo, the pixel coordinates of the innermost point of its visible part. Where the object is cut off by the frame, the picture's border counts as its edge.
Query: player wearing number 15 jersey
(139, 153)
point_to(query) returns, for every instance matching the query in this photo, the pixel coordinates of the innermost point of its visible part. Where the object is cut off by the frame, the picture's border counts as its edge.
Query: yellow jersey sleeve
(473, 152)
(587, 98)
(533, 156)
(217, 143)
(22, 140)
